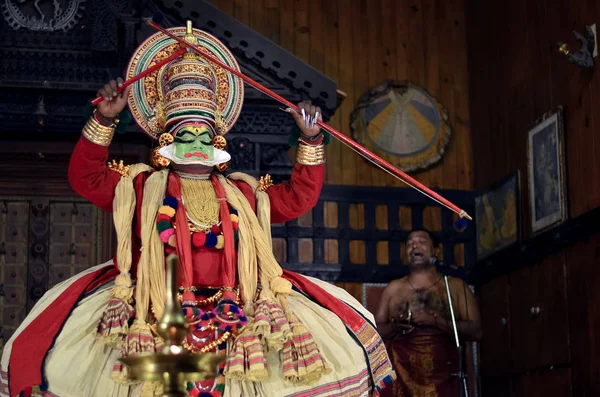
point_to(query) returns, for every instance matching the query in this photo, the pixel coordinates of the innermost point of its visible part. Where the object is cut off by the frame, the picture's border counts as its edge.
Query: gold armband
(97, 133)
(310, 155)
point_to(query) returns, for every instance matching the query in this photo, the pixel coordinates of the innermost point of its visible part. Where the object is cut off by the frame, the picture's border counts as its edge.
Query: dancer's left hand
(307, 118)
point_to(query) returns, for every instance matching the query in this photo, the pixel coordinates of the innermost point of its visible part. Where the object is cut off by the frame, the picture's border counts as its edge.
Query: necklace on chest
(200, 202)
(424, 289)
(202, 208)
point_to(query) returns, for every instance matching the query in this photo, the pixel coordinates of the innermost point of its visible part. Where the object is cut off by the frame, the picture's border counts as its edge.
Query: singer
(414, 320)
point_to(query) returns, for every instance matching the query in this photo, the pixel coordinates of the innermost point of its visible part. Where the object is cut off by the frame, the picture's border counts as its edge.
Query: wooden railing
(366, 218)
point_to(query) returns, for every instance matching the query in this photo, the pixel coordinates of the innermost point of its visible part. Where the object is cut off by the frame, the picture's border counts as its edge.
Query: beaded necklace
(209, 236)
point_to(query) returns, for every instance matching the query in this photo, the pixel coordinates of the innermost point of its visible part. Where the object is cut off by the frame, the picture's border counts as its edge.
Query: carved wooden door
(43, 241)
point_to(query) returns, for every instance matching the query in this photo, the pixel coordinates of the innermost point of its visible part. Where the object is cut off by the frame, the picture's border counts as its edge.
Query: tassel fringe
(246, 359)
(270, 322)
(121, 373)
(139, 341)
(151, 389)
(113, 326)
(302, 359)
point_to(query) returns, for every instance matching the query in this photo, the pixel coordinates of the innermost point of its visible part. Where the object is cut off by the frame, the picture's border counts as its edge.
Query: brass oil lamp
(174, 365)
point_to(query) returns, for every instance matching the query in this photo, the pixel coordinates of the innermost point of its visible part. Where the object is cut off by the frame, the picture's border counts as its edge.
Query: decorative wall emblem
(43, 15)
(403, 124)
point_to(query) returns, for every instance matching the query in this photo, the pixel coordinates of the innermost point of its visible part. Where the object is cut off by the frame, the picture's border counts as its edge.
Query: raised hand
(114, 102)
(307, 118)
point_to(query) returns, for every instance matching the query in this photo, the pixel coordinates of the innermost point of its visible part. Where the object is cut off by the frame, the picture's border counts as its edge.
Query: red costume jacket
(92, 179)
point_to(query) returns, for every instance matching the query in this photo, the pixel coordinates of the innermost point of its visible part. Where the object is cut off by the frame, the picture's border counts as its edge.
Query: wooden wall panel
(33, 169)
(495, 325)
(539, 315)
(361, 43)
(583, 289)
(548, 383)
(517, 75)
(497, 387)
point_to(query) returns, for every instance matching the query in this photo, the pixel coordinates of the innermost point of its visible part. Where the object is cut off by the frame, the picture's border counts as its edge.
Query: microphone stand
(461, 372)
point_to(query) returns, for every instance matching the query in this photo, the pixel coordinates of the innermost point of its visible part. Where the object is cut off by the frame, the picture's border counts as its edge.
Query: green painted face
(194, 143)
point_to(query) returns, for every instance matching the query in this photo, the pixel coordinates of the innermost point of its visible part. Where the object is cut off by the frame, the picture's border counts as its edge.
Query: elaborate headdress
(186, 93)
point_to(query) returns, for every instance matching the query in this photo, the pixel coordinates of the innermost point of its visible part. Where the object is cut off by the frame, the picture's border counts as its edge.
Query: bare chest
(430, 300)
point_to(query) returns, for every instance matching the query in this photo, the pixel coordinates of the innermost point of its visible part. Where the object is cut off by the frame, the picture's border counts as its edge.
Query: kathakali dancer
(283, 334)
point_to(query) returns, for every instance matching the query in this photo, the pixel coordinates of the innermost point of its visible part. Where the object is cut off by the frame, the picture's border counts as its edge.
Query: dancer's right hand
(114, 102)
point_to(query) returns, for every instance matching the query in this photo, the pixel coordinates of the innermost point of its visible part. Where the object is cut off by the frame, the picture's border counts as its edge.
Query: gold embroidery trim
(264, 183)
(119, 167)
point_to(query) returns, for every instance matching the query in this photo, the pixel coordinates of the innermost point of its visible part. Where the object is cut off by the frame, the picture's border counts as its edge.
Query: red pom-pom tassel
(199, 239)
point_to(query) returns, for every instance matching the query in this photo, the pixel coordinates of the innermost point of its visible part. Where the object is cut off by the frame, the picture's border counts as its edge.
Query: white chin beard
(220, 156)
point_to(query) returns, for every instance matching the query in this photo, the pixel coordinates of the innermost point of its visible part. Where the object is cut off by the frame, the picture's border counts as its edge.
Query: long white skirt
(80, 366)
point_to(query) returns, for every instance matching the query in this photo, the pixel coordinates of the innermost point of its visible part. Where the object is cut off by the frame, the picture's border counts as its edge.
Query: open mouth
(417, 255)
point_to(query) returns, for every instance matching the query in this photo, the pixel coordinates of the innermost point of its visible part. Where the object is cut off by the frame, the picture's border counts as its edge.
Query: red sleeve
(89, 175)
(290, 200)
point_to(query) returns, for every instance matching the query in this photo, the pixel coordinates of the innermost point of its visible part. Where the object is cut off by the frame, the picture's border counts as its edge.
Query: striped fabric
(113, 325)
(246, 360)
(357, 385)
(381, 367)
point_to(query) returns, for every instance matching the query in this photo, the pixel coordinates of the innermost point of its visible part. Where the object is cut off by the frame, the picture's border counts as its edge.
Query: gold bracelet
(98, 133)
(97, 139)
(97, 126)
(310, 154)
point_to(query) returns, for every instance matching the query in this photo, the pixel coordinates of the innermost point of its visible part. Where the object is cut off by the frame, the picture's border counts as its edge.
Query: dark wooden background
(494, 66)
(359, 44)
(516, 75)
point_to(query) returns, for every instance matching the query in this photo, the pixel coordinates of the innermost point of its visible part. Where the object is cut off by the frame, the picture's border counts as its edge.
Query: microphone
(441, 265)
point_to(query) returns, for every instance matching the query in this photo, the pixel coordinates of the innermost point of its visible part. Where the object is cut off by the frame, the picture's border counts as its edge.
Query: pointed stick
(145, 73)
(378, 161)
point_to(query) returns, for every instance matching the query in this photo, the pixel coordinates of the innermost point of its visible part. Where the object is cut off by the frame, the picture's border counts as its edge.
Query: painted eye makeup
(181, 140)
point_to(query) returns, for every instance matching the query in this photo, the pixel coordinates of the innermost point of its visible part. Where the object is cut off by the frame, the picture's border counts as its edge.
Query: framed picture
(546, 171)
(498, 216)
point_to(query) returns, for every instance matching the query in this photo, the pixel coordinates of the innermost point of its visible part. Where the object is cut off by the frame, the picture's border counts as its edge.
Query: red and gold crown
(190, 92)
(187, 90)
